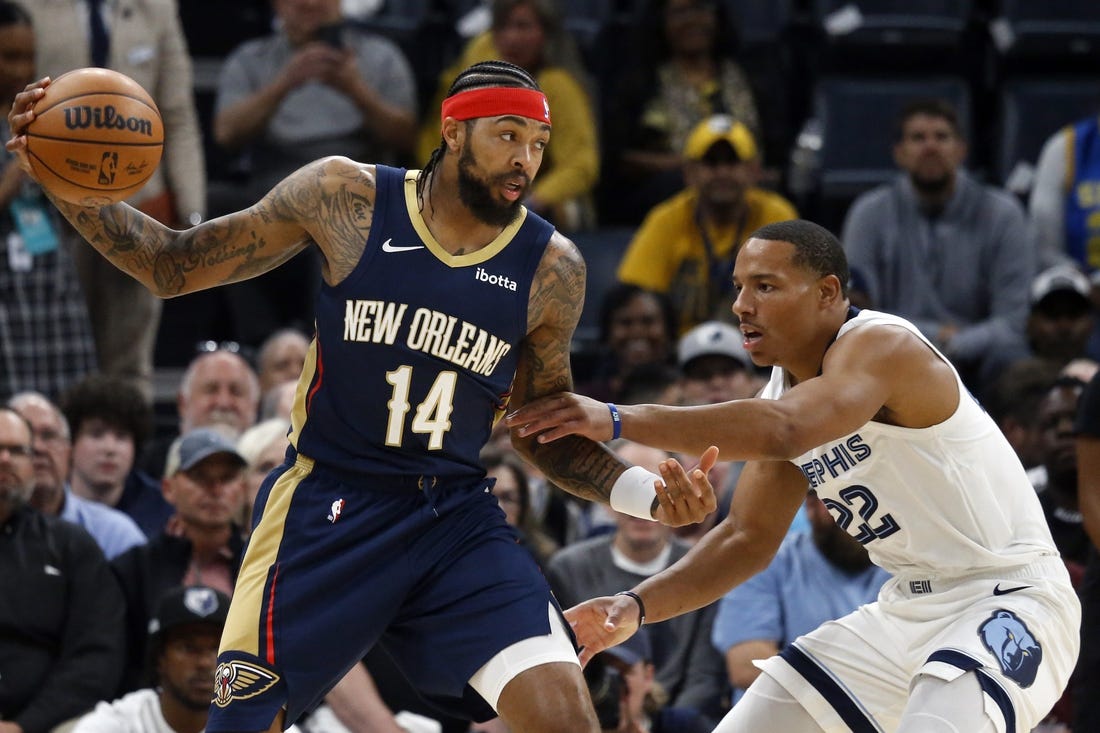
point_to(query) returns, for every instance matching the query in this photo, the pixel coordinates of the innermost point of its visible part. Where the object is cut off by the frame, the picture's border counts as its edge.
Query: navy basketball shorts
(434, 574)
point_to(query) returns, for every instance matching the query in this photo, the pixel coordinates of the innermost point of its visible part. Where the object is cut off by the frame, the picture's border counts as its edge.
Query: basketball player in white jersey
(978, 630)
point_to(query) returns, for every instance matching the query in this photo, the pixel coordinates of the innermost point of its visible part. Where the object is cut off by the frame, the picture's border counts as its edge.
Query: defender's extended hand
(21, 115)
(558, 415)
(686, 497)
(601, 623)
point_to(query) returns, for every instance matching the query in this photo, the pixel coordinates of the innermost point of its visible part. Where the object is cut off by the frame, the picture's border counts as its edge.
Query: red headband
(495, 101)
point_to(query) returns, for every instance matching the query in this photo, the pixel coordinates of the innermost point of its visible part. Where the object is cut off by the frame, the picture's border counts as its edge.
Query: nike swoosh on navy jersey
(387, 247)
(998, 591)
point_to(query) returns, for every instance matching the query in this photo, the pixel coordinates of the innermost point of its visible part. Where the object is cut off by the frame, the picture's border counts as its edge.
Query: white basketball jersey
(938, 502)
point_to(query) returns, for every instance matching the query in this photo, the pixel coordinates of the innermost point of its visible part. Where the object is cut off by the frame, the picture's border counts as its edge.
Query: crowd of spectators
(140, 521)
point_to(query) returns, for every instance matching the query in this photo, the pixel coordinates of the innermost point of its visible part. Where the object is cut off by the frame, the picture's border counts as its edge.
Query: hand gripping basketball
(96, 137)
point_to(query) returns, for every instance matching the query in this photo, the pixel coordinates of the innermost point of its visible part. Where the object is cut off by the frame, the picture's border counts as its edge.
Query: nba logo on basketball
(108, 164)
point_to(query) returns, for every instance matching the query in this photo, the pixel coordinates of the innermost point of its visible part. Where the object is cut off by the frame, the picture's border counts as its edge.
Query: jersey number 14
(432, 416)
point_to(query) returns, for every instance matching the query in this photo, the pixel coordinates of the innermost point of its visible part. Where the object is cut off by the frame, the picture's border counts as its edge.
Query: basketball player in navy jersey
(444, 302)
(978, 629)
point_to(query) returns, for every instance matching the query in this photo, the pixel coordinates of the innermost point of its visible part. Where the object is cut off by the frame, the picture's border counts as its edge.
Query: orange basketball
(96, 137)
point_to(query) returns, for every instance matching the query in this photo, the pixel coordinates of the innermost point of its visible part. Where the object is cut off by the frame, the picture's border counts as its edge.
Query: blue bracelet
(616, 421)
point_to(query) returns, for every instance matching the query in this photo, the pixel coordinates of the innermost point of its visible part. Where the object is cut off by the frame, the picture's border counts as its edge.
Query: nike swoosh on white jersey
(387, 247)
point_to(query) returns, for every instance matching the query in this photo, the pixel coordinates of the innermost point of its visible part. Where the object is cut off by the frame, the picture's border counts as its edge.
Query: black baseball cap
(195, 604)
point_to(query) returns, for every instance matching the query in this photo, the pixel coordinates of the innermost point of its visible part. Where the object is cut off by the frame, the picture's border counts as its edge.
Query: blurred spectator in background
(651, 383)
(816, 576)
(200, 545)
(279, 401)
(714, 365)
(513, 492)
(1086, 703)
(681, 69)
(218, 390)
(1065, 197)
(687, 244)
(1056, 483)
(110, 422)
(183, 633)
(145, 42)
(688, 667)
(112, 530)
(280, 358)
(948, 253)
(61, 613)
(643, 707)
(1061, 317)
(1013, 403)
(1065, 206)
(45, 332)
(637, 327)
(318, 86)
(263, 447)
(529, 34)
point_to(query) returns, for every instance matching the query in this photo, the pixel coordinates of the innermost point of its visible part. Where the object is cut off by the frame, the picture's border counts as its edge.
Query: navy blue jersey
(416, 349)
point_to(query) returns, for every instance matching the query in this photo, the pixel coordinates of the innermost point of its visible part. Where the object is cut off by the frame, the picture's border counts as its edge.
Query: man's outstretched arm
(329, 202)
(579, 465)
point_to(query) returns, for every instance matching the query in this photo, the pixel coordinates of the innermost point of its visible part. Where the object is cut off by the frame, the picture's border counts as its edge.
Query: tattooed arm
(328, 202)
(579, 465)
(582, 467)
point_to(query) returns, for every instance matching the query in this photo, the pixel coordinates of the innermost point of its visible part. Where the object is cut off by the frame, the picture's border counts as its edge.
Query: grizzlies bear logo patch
(1009, 640)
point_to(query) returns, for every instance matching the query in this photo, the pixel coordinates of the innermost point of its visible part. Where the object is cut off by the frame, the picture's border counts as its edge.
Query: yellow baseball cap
(717, 128)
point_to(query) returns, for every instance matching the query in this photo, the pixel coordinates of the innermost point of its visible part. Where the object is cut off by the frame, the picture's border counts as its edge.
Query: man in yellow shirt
(687, 244)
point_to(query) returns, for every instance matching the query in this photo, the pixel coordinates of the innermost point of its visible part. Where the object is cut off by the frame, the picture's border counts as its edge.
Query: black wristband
(641, 606)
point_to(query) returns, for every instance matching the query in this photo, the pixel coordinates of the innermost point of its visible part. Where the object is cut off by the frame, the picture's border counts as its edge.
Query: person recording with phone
(628, 698)
(317, 86)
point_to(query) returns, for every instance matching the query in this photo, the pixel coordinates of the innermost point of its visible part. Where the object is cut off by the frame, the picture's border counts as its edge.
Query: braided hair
(479, 76)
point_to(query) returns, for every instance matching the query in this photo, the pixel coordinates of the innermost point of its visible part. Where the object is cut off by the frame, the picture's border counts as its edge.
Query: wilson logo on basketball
(85, 116)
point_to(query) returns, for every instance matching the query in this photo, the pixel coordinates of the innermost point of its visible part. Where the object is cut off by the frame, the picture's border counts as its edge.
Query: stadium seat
(602, 250)
(1052, 29)
(760, 22)
(894, 22)
(1031, 110)
(895, 36)
(856, 119)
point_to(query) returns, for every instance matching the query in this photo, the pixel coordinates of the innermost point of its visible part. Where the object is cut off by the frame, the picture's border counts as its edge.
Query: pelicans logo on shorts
(239, 681)
(1009, 640)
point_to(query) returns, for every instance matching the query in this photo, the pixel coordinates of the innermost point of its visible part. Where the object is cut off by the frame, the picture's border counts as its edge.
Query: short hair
(496, 457)
(929, 107)
(646, 383)
(1019, 389)
(258, 437)
(189, 373)
(13, 14)
(815, 248)
(269, 343)
(113, 400)
(25, 421)
(29, 395)
(619, 294)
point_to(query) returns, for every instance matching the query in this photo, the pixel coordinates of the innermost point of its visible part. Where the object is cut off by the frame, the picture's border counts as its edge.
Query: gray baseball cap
(712, 338)
(189, 449)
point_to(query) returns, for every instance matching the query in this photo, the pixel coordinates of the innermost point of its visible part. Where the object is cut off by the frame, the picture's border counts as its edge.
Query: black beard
(476, 196)
(841, 550)
(931, 186)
